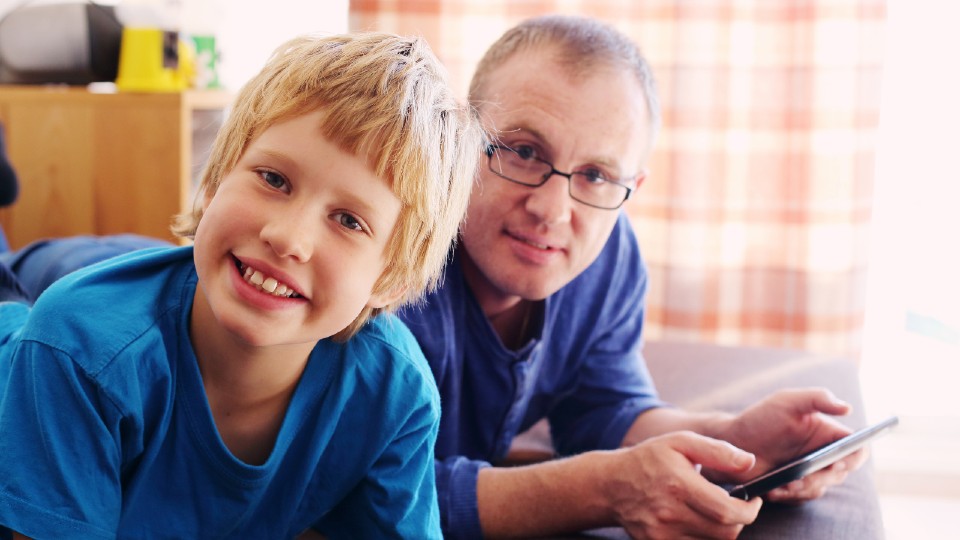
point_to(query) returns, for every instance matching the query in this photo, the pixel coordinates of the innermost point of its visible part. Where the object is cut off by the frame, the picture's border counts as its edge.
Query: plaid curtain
(755, 217)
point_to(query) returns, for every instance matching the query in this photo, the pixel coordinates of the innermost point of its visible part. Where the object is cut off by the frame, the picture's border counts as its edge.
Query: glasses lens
(521, 168)
(597, 192)
(518, 168)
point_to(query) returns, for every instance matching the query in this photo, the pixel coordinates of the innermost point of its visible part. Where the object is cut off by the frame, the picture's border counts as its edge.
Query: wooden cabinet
(92, 163)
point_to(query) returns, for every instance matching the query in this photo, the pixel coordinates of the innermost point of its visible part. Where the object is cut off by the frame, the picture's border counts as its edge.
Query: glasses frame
(492, 148)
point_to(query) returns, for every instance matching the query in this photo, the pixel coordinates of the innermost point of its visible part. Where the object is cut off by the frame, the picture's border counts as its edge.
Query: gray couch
(710, 377)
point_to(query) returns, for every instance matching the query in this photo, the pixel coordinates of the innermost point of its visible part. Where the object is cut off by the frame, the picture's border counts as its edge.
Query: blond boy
(242, 386)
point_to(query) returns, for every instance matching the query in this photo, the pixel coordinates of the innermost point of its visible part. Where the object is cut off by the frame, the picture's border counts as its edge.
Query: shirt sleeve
(59, 476)
(457, 492)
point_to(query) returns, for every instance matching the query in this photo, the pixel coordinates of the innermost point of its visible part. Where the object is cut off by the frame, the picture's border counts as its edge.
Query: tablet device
(811, 462)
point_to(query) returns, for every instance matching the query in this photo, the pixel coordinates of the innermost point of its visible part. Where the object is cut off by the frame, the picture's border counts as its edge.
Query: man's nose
(551, 202)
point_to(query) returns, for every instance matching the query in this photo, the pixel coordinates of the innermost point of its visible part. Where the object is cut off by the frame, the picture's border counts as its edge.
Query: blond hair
(386, 99)
(582, 45)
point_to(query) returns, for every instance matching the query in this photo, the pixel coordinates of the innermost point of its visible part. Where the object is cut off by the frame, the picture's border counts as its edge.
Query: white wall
(911, 354)
(249, 30)
(914, 258)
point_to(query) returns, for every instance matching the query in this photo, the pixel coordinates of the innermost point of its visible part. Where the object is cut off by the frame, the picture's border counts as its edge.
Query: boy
(242, 387)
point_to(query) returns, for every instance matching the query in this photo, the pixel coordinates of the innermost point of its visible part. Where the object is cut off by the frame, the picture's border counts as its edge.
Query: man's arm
(651, 489)
(660, 420)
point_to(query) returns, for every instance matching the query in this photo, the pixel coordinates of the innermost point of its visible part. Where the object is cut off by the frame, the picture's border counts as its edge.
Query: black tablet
(811, 462)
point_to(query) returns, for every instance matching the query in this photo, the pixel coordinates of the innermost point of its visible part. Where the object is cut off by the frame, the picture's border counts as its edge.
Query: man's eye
(594, 176)
(350, 222)
(525, 152)
(274, 180)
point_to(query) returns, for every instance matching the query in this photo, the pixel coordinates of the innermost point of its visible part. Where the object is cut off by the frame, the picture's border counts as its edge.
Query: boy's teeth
(536, 245)
(268, 285)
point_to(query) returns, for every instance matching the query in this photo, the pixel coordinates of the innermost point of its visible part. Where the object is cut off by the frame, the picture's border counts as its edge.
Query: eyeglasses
(522, 167)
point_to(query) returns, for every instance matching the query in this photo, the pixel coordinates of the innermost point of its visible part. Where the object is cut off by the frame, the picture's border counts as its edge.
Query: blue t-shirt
(583, 371)
(106, 430)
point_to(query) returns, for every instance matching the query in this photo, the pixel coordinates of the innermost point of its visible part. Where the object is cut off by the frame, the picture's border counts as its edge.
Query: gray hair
(582, 44)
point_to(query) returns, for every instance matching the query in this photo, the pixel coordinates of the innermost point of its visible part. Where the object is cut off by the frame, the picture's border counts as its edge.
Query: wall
(252, 29)
(248, 31)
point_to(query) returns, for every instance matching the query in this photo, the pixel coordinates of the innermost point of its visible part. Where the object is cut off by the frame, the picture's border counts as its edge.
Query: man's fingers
(810, 400)
(700, 510)
(828, 403)
(681, 503)
(718, 506)
(712, 453)
(810, 487)
(856, 460)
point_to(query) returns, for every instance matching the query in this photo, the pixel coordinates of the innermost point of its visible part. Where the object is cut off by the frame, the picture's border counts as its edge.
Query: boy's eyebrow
(289, 163)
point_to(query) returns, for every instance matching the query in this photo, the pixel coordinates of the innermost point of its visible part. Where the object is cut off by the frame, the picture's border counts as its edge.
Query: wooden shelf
(94, 163)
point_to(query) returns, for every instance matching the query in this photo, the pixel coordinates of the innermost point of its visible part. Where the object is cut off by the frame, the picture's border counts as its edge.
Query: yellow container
(153, 60)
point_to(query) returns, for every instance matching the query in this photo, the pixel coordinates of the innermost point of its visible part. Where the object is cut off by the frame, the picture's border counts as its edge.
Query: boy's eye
(274, 180)
(349, 222)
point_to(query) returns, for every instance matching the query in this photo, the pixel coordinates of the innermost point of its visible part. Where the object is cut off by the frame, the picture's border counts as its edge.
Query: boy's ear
(378, 301)
(207, 197)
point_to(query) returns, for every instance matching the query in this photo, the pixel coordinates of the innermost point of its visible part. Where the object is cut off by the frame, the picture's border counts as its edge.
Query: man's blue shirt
(583, 371)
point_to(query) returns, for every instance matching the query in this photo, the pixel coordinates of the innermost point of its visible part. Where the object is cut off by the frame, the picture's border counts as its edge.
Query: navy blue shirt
(583, 371)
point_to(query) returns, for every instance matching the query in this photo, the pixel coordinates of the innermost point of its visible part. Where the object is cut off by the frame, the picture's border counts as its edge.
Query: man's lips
(533, 250)
(532, 241)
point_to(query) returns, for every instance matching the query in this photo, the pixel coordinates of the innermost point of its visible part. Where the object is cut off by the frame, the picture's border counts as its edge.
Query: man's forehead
(601, 115)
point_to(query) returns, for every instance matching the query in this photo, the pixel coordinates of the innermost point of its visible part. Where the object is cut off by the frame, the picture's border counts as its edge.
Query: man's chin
(535, 290)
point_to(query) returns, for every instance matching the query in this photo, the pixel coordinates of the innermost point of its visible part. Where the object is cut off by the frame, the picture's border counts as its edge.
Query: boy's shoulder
(386, 345)
(120, 297)
(388, 330)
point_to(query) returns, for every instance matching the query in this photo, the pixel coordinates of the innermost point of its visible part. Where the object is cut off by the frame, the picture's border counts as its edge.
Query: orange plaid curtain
(755, 217)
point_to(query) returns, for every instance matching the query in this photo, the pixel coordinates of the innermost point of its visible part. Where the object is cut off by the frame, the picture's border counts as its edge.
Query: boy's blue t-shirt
(106, 430)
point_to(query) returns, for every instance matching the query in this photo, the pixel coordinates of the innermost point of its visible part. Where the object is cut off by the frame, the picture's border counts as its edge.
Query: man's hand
(652, 489)
(785, 425)
(656, 491)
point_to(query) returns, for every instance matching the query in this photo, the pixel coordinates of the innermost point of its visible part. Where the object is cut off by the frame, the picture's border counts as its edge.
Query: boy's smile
(268, 288)
(268, 285)
(292, 242)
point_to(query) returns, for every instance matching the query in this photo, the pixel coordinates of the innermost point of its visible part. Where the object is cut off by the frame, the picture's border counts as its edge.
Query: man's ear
(379, 301)
(640, 178)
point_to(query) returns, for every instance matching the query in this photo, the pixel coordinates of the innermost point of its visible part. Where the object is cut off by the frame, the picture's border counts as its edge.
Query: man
(541, 312)
(541, 316)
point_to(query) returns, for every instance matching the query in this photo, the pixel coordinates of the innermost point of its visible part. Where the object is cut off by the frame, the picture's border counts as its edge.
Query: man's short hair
(581, 44)
(386, 99)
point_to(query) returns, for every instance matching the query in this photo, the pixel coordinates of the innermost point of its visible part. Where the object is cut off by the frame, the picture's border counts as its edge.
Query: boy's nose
(290, 235)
